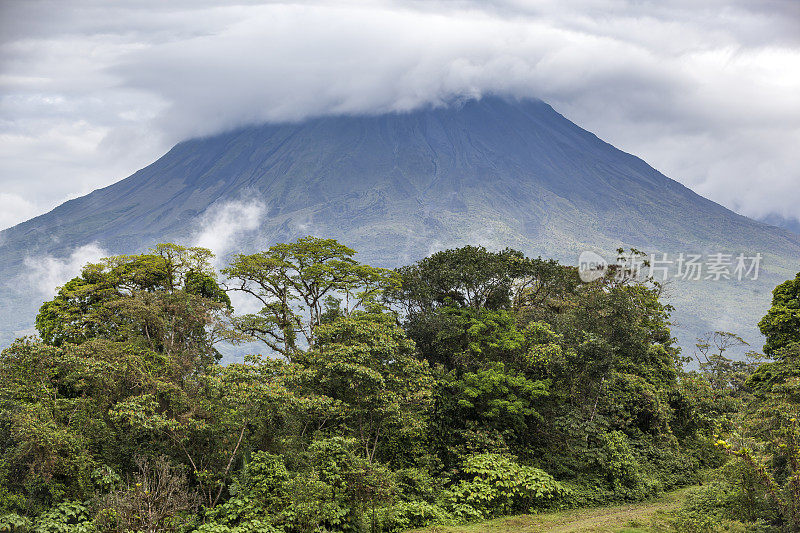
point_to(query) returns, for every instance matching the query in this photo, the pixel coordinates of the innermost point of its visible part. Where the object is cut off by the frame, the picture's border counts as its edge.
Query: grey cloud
(705, 92)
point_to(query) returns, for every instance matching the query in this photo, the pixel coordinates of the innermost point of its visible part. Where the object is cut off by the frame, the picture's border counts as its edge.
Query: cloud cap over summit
(93, 90)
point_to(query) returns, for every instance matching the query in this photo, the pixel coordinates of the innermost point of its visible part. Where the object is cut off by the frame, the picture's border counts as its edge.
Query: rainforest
(469, 385)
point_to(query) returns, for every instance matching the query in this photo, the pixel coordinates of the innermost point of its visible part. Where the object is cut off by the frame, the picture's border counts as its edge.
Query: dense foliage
(468, 385)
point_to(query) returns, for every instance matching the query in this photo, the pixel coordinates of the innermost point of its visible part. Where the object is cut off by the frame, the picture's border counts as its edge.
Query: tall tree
(168, 300)
(297, 284)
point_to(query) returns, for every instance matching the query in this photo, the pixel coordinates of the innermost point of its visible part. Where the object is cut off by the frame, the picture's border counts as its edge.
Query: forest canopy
(468, 385)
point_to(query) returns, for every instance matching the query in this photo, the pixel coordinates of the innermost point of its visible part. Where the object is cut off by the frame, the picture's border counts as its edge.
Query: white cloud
(222, 224)
(707, 92)
(221, 228)
(46, 274)
(14, 209)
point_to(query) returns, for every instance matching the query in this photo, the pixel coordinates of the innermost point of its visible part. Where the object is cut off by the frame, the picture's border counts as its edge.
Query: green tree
(167, 300)
(781, 325)
(723, 372)
(461, 306)
(766, 444)
(297, 283)
(463, 277)
(367, 366)
(46, 428)
(493, 399)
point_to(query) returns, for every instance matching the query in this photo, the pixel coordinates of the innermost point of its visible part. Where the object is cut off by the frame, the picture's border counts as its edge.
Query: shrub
(497, 484)
(720, 507)
(158, 500)
(250, 526)
(257, 494)
(66, 517)
(14, 522)
(621, 473)
(314, 505)
(413, 514)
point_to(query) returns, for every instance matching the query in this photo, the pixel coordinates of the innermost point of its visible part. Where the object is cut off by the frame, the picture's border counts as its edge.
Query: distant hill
(399, 186)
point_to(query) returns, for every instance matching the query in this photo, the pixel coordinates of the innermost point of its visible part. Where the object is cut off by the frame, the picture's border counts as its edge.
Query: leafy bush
(715, 508)
(332, 492)
(315, 504)
(617, 471)
(256, 494)
(14, 522)
(402, 516)
(497, 484)
(250, 526)
(418, 484)
(66, 517)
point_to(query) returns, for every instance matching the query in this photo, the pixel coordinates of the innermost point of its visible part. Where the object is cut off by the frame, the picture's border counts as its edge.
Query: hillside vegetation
(466, 386)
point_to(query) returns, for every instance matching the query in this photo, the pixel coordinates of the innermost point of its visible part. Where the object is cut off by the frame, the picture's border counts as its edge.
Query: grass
(624, 518)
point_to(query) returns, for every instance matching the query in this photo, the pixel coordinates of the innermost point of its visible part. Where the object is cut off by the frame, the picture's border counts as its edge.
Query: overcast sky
(92, 90)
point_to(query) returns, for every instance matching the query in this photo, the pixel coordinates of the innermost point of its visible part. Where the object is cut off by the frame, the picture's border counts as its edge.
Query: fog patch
(223, 225)
(46, 274)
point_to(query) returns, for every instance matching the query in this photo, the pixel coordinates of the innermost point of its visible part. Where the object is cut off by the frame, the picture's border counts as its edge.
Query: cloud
(221, 228)
(704, 92)
(46, 274)
(14, 209)
(222, 224)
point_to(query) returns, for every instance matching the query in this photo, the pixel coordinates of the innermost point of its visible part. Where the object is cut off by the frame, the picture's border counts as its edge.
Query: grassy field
(627, 518)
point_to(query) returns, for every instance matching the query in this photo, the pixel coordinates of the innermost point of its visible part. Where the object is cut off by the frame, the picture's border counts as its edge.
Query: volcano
(398, 186)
